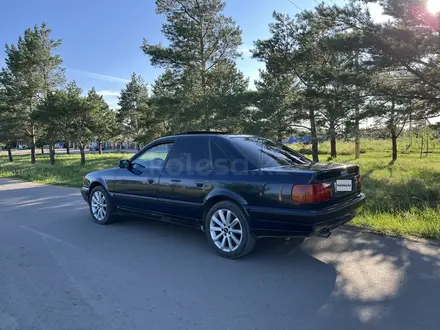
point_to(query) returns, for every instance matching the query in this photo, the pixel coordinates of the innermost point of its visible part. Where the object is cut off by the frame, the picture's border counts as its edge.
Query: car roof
(201, 134)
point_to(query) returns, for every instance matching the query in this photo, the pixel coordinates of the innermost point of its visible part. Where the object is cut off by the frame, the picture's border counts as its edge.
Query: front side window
(153, 157)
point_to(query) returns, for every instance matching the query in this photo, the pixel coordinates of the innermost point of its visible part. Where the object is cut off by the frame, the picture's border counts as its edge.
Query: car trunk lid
(344, 179)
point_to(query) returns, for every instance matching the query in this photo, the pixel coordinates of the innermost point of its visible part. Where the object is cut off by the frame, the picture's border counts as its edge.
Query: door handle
(151, 181)
(176, 183)
(205, 184)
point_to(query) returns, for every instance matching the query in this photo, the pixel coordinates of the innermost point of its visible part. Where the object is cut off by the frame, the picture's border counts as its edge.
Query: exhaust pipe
(324, 234)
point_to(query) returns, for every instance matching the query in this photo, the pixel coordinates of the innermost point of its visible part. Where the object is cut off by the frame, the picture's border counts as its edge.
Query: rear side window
(220, 161)
(190, 154)
(267, 153)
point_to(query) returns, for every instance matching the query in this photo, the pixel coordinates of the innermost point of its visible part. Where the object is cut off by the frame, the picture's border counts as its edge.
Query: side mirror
(124, 163)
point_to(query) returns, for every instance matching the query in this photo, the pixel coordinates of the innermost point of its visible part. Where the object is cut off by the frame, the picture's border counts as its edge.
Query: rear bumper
(270, 222)
(85, 193)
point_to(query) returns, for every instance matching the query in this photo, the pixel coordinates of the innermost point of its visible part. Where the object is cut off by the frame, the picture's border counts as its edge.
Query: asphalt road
(59, 270)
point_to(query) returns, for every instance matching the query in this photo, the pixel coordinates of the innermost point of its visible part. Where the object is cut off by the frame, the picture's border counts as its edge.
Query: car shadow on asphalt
(276, 278)
(382, 282)
(355, 280)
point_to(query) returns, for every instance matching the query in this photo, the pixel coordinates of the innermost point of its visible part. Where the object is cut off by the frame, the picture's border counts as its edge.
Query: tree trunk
(314, 136)
(357, 140)
(393, 127)
(138, 147)
(83, 155)
(99, 147)
(280, 134)
(427, 145)
(205, 110)
(52, 154)
(333, 145)
(205, 120)
(10, 153)
(332, 132)
(394, 141)
(68, 147)
(33, 145)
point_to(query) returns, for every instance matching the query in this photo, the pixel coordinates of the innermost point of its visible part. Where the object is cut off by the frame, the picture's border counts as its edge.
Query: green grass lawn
(67, 171)
(402, 198)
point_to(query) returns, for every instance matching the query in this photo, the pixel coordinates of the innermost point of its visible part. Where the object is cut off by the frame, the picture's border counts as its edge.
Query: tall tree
(51, 116)
(104, 119)
(10, 130)
(226, 97)
(296, 46)
(81, 119)
(332, 115)
(279, 105)
(407, 43)
(173, 107)
(133, 104)
(201, 40)
(390, 108)
(32, 71)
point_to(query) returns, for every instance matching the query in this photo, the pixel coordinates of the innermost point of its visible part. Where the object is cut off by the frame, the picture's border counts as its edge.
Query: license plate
(344, 185)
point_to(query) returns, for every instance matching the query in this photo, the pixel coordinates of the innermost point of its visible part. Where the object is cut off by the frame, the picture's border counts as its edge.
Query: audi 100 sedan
(235, 188)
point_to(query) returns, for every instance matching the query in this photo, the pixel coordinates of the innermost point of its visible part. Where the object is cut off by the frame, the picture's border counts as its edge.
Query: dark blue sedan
(236, 188)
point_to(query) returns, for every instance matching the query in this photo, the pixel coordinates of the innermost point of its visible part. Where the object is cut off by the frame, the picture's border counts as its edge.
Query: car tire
(100, 206)
(227, 230)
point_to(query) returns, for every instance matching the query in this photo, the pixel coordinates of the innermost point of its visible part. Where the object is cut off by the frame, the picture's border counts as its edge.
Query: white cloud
(106, 92)
(112, 101)
(100, 76)
(245, 50)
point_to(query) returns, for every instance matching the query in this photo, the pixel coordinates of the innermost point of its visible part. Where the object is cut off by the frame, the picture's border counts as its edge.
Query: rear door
(186, 179)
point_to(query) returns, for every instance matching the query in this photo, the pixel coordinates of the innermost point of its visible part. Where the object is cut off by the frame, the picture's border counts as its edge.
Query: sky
(101, 39)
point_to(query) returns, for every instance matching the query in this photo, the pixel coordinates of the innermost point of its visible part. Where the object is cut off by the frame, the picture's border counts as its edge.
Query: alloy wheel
(99, 206)
(226, 230)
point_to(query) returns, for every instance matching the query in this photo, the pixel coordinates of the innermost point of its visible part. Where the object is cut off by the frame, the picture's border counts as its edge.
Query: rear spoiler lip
(336, 168)
(280, 169)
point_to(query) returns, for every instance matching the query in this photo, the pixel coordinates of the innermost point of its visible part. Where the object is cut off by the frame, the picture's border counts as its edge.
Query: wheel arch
(220, 196)
(95, 184)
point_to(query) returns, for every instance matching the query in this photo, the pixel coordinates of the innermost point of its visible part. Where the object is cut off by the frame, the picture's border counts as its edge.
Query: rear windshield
(267, 153)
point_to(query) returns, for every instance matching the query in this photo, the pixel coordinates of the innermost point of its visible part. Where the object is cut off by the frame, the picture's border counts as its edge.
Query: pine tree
(202, 41)
(81, 118)
(278, 106)
(103, 118)
(51, 116)
(32, 71)
(133, 104)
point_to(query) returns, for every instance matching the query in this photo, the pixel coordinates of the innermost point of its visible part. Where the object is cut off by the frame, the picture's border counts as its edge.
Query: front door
(136, 187)
(186, 179)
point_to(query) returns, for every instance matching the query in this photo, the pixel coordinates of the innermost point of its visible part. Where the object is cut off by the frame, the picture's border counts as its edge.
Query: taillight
(312, 193)
(359, 182)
